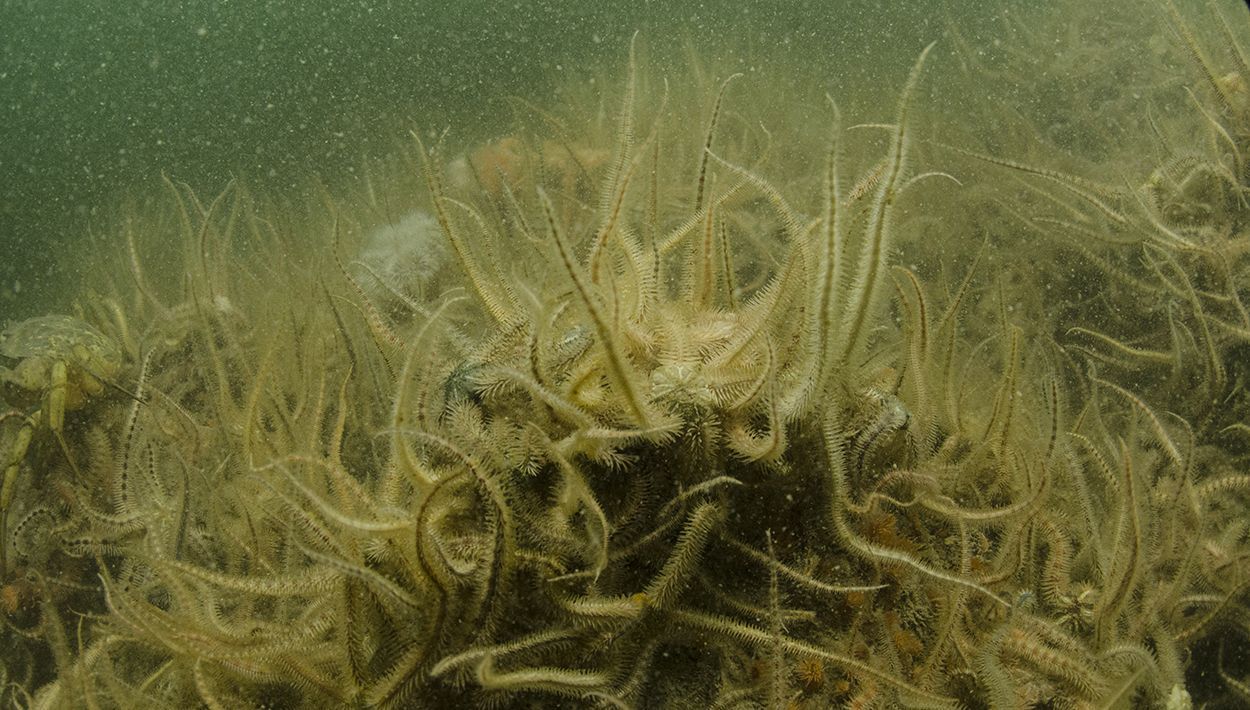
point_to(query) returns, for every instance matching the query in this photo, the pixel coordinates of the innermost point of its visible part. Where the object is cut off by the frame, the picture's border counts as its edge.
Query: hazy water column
(98, 98)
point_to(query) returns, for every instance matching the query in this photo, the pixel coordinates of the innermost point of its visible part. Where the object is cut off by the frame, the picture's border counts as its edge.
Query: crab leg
(56, 396)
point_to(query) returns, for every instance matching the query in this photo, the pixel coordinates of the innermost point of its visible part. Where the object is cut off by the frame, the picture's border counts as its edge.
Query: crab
(51, 365)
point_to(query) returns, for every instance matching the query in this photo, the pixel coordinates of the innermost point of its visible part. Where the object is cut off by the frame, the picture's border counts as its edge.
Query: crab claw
(12, 459)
